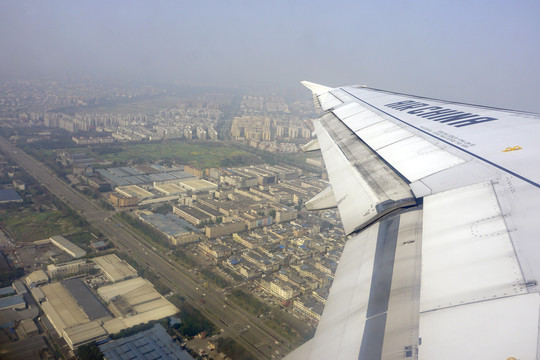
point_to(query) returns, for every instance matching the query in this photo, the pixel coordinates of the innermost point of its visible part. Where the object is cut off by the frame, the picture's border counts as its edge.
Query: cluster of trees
(215, 278)
(146, 273)
(296, 330)
(232, 349)
(59, 139)
(48, 158)
(210, 222)
(193, 322)
(163, 209)
(89, 352)
(6, 278)
(101, 150)
(249, 302)
(135, 329)
(91, 193)
(238, 160)
(107, 206)
(184, 258)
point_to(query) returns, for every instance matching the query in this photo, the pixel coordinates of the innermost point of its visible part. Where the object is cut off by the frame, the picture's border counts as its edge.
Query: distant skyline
(484, 52)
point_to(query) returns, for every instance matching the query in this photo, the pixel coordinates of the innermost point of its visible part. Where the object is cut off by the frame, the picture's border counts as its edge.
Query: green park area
(203, 155)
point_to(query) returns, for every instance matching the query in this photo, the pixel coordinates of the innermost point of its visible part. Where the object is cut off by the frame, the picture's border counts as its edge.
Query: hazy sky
(484, 52)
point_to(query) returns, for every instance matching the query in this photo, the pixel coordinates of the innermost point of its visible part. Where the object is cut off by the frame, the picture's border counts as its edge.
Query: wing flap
(372, 309)
(323, 200)
(364, 187)
(341, 327)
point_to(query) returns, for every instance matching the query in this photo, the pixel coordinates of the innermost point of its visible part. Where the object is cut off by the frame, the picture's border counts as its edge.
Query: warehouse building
(191, 214)
(5, 291)
(134, 302)
(15, 302)
(7, 196)
(198, 185)
(37, 294)
(134, 191)
(79, 317)
(35, 278)
(114, 268)
(153, 343)
(83, 334)
(169, 225)
(170, 189)
(70, 268)
(68, 318)
(27, 328)
(119, 200)
(65, 245)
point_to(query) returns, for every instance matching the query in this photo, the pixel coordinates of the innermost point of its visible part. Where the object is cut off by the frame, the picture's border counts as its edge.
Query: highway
(238, 324)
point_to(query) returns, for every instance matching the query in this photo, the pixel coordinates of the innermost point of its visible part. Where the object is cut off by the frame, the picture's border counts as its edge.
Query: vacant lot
(28, 224)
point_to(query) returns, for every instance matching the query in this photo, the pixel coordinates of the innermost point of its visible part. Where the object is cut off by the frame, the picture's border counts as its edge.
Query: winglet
(316, 89)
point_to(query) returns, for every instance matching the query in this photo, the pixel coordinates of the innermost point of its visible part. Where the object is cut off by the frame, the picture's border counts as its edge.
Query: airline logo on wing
(451, 117)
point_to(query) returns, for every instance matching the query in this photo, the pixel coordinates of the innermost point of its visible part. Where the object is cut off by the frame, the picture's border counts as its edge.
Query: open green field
(148, 106)
(202, 155)
(29, 224)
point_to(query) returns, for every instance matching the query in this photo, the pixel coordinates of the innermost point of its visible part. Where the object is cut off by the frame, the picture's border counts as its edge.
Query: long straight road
(258, 340)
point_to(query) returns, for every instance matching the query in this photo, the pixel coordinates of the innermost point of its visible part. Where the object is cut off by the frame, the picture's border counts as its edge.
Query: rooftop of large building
(197, 185)
(114, 268)
(169, 224)
(9, 196)
(68, 246)
(11, 301)
(154, 343)
(137, 302)
(61, 308)
(134, 190)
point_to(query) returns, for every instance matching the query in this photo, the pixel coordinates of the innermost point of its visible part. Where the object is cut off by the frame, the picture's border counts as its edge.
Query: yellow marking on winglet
(512, 148)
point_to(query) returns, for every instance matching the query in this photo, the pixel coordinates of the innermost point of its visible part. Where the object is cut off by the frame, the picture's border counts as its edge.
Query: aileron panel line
(467, 254)
(329, 101)
(417, 158)
(362, 120)
(503, 328)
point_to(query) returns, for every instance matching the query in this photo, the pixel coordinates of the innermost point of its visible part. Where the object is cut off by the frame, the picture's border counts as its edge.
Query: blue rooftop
(6, 291)
(9, 195)
(7, 302)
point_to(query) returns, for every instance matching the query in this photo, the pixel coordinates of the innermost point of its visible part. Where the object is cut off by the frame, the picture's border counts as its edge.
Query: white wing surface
(441, 203)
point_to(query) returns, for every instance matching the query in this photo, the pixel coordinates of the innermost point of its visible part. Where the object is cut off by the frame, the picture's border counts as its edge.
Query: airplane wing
(441, 204)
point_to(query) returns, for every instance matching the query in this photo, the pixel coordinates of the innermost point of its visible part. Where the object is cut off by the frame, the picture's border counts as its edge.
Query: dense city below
(203, 189)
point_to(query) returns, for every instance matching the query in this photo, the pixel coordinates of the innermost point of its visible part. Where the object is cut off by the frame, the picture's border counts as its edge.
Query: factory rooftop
(67, 246)
(114, 268)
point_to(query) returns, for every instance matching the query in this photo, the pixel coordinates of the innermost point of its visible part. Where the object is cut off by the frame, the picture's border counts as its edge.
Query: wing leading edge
(439, 200)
